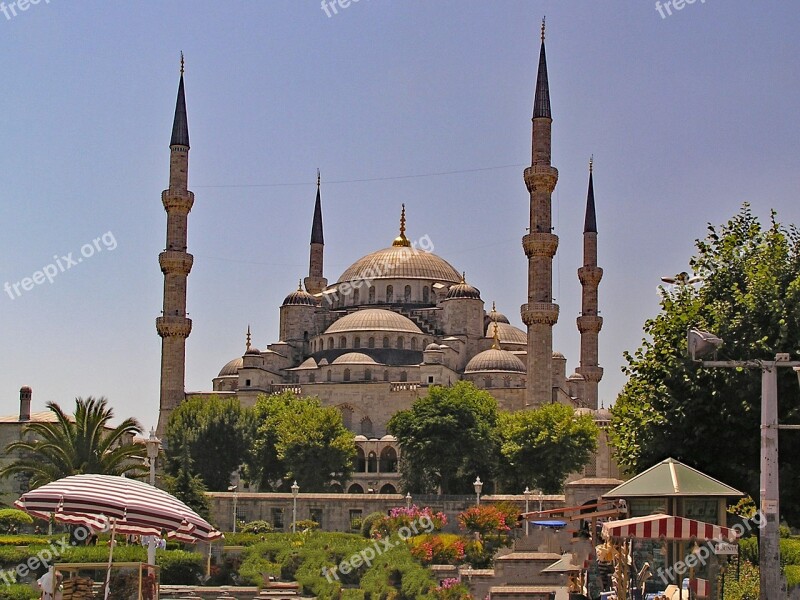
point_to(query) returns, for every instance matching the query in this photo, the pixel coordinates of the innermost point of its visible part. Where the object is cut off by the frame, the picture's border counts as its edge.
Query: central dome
(374, 319)
(401, 262)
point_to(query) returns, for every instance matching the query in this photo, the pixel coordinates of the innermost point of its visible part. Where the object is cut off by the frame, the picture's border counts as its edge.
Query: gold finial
(494, 308)
(318, 179)
(591, 163)
(543, 18)
(299, 285)
(248, 337)
(181, 62)
(402, 240)
(463, 277)
(496, 337)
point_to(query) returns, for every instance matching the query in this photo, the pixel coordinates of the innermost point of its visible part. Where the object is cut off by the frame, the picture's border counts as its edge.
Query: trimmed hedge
(790, 550)
(792, 573)
(18, 592)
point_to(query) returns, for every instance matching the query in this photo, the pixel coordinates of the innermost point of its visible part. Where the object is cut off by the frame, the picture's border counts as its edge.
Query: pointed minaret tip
(247, 343)
(590, 222)
(182, 65)
(317, 236)
(180, 124)
(541, 103)
(543, 23)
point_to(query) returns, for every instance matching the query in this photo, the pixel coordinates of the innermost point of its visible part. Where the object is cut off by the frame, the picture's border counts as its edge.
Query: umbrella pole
(110, 557)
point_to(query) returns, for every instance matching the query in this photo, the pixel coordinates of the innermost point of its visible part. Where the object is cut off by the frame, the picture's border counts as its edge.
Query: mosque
(397, 321)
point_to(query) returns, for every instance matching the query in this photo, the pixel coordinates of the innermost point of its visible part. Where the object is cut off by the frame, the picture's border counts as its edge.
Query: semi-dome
(354, 358)
(507, 334)
(495, 359)
(232, 368)
(374, 319)
(401, 262)
(463, 290)
(299, 297)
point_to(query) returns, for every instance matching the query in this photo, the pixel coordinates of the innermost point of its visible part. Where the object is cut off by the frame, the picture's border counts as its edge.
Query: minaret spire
(402, 240)
(316, 282)
(541, 102)
(590, 323)
(173, 325)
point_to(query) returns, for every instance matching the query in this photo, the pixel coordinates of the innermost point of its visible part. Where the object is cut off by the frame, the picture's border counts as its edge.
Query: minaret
(173, 326)
(315, 282)
(590, 323)
(540, 244)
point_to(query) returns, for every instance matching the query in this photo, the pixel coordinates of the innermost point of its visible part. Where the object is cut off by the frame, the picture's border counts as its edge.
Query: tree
(217, 432)
(749, 295)
(541, 447)
(448, 438)
(83, 443)
(188, 487)
(298, 439)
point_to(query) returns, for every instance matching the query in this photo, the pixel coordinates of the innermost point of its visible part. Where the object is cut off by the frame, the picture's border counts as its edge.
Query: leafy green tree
(74, 445)
(749, 295)
(188, 487)
(448, 438)
(217, 432)
(541, 447)
(298, 439)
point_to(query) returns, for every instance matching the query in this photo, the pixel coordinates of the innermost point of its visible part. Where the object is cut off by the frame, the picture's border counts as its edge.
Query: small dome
(253, 350)
(602, 414)
(495, 360)
(508, 334)
(354, 358)
(431, 347)
(388, 438)
(232, 368)
(575, 377)
(374, 319)
(299, 297)
(308, 363)
(360, 438)
(559, 356)
(463, 290)
(494, 315)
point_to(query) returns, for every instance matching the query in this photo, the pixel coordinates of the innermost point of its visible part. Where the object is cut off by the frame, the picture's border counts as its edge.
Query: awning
(667, 527)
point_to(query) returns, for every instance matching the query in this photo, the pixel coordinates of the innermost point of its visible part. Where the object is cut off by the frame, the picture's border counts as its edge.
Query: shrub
(180, 568)
(257, 527)
(792, 573)
(790, 550)
(306, 525)
(746, 588)
(12, 516)
(451, 589)
(448, 549)
(24, 540)
(369, 521)
(486, 519)
(413, 521)
(19, 592)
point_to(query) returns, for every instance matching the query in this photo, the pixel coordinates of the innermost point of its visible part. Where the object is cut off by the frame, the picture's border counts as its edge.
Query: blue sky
(687, 116)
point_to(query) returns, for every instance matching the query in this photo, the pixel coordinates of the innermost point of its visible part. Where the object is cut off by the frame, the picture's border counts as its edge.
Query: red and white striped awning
(134, 507)
(666, 527)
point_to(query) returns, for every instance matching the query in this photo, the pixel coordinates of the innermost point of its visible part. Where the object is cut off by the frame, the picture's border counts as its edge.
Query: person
(50, 591)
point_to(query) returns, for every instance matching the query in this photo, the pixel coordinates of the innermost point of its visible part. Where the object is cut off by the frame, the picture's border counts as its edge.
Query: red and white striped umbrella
(667, 527)
(134, 507)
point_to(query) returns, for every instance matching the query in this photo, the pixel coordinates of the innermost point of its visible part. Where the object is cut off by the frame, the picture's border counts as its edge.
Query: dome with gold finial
(463, 290)
(299, 297)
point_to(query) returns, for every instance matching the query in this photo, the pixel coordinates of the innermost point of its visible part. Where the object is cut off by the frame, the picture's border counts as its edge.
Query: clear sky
(688, 115)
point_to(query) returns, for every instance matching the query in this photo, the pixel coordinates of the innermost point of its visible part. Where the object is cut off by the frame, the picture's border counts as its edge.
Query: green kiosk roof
(671, 478)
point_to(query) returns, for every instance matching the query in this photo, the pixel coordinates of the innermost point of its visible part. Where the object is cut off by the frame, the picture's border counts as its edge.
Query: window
(372, 294)
(330, 343)
(372, 463)
(386, 375)
(386, 341)
(487, 382)
(506, 381)
(430, 378)
(342, 342)
(357, 342)
(246, 383)
(371, 342)
(277, 518)
(347, 375)
(426, 294)
(366, 426)
(400, 343)
(355, 519)
(367, 375)
(413, 343)
(403, 376)
(347, 416)
(407, 293)
(361, 461)
(355, 489)
(388, 460)
(328, 375)
(389, 293)
(316, 515)
(356, 296)
(388, 489)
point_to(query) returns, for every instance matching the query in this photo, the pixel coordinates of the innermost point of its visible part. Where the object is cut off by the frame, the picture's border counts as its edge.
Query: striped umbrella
(132, 507)
(667, 527)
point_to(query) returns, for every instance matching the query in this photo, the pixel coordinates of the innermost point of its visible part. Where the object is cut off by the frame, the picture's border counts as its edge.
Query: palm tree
(77, 445)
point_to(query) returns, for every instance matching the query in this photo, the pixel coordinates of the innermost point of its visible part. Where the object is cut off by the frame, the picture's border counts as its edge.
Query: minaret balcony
(174, 326)
(175, 262)
(590, 276)
(540, 244)
(592, 374)
(590, 323)
(179, 202)
(539, 313)
(539, 177)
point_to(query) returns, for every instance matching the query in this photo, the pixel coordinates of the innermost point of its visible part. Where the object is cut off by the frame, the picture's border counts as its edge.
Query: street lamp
(701, 343)
(234, 488)
(527, 493)
(153, 445)
(295, 491)
(408, 499)
(478, 485)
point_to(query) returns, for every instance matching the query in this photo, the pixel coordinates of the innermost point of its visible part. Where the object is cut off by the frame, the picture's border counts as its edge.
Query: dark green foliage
(85, 444)
(180, 568)
(217, 433)
(19, 592)
(670, 406)
(369, 522)
(448, 438)
(541, 447)
(257, 527)
(187, 487)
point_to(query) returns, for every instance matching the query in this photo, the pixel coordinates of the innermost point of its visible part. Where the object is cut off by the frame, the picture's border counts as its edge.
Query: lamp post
(702, 343)
(234, 488)
(527, 493)
(408, 499)
(295, 491)
(153, 445)
(478, 485)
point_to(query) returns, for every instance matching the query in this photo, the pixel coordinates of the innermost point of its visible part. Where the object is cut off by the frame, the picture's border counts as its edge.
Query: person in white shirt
(50, 591)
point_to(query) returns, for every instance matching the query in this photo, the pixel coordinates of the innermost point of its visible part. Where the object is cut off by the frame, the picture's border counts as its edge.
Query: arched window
(328, 376)
(372, 294)
(400, 342)
(347, 417)
(347, 374)
(487, 382)
(356, 296)
(407, 293)
(413, 343)
(361, 463)
(357, 342)
(366, 426)
(372, 463)
(506, 381)
(386, 341)
(367, 375)
(389, 293)
(355, 489)
(342, 342)
(388, 488)
(426, 294)
(403, 376)
(388, 460)
(371, 342)
(386, 375)
(330, 343)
